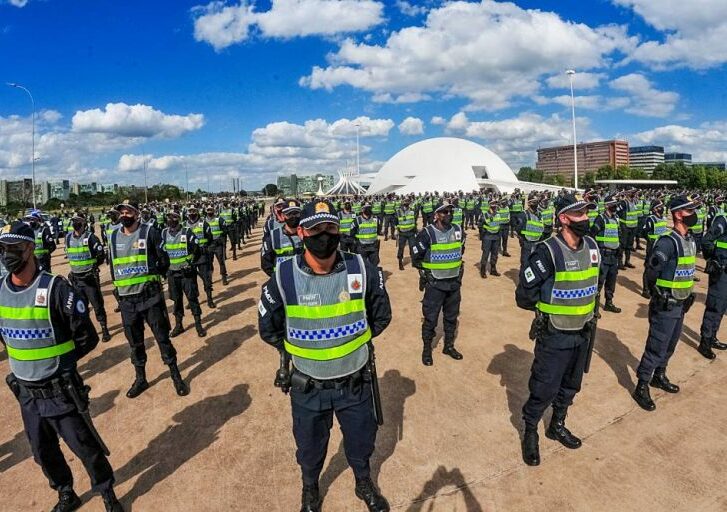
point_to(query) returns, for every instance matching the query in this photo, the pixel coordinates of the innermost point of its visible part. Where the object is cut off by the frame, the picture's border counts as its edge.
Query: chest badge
(41, 297)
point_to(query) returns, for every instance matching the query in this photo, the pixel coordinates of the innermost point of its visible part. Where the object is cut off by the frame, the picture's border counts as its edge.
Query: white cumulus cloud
(487, 52)
(18, 3)
(706, 143)
(221, 24)
(411, 126)
(124, 120)
(646, 100)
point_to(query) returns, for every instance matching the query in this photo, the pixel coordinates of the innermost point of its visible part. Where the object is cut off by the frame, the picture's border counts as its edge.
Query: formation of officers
(45, 324)
(326, 301)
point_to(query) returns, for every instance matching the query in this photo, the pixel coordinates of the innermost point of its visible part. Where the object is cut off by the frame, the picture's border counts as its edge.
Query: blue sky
(255, 89)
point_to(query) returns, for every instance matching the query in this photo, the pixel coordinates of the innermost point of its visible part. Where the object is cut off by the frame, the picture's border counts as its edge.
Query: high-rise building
(646, 158)
(89, 188)
(720, 166)
(60, 189)
(558, 161)
(676, 158)
(20, 191)
(295, 185)
(109, 187)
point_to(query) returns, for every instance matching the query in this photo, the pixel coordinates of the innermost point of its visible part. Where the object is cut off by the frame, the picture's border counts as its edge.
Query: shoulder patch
(261, 308)
(540, 265)
(529, 275)
(80, 307)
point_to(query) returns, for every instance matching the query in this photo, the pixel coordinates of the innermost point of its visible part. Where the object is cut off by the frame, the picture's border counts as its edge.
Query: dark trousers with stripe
(608, 272)
(183, 283)
(150, 309)
(556, 374)
(440, 299)
(89, 285)
(490, 250)
(217, 250)
(405, 238)
(665, 328)
(715, 306)
(312, 421)
(504, 234)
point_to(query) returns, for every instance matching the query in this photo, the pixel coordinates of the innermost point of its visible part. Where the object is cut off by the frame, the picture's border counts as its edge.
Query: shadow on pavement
(440, 479)
(215, 349)
(195, 429)
(103, 403)
(513, 367)
(513, 275)
(395, 389)
(618, 357)
(629, 284)
(690, 336)
(225, 312)
(231, 291)
(14, 451)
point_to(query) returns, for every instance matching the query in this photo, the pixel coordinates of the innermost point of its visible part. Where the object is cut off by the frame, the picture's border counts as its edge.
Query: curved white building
(446, 164)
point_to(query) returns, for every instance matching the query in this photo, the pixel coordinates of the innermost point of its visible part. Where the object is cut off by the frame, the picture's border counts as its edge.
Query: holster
(539, 327)
(300, 382)
(12, 381)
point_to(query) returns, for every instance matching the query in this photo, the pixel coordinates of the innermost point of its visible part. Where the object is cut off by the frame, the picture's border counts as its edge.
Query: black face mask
(127, 222)
(292, 222)
(14, 261)
(322, 245)
(367, 211)
(659, 213)
(193, 217)
(78, 226)
(691, 220)
(446, 220)
(579, 228)
(173, 223)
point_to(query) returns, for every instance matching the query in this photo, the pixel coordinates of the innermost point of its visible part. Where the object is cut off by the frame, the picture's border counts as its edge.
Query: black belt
(609, 251)
(349, 381)
(50, 389)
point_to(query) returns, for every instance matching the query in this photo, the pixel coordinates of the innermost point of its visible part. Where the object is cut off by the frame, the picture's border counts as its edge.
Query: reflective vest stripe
(38, 354)
(442, 266)
(135, 280)
(139, 258)
(577, 275)
(35, 313)
(553, 309)
(326, 354)
(328, 311)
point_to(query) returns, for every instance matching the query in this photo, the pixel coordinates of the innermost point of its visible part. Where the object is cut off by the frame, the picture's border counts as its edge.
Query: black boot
(557, 430)
(646, 294)
(529, 445)
(178, 328)
(427, 359)
(140, 384)
(179, 385)
(628, 263)
(718, 345)
(210, 302)
(224, 280)
(401, 264)
(310, 499)
(705, 348)
(494, 272)
(483, 272)
(506, 254)
(367, 492)
(67, 501)
(105, 334)
(643, 397)
(111, 502)
(451, 351)
(661, 381)
(611, 307)
(201, 331)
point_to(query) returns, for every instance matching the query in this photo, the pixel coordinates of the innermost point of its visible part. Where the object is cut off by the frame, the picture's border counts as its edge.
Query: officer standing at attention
(438, 254)
(503, 215)
(605, 231)
(560, 284)
(182, 248)
(530, 229)
(137, 264)
(217, 243)
(230, 217)
(697, 230)
(714, 248)
(628, 217)
(312, 295)
(44, 242)
(202, 264)
(283, 242)
(85, 255)
(389, 217)
(653, 228)
(364, 229)
(45, 328)
(345, 218)
(407, 227)
(670, 279)
(489, 226)
(112, 222)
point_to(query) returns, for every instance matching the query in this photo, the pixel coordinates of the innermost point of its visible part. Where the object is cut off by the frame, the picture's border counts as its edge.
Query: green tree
(605, 172)
(622, 172)
(638, 174)
(270, 190)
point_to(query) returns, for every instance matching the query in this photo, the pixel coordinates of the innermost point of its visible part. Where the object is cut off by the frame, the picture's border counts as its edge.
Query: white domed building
(447, 164)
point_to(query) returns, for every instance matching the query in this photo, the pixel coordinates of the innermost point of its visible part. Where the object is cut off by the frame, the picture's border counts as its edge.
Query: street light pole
(570, 74)
(32, 157)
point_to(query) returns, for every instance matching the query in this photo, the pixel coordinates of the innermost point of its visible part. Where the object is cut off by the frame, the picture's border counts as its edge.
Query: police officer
(605, 231)
(698, 229)
(407, 227)
(46, 329)
(490, 226)
(327, 291)
(364, 229)
(283, 242)
(557, 267)
(275, 219)
(181, 247)
(44, 242)
(628, 213)
(389, 217)
(112, 222)
(202, 264)
(670, 278)
(530, 229)
(137, 264)
(217, 248)
(653, 228)
(230, 217)
(345, 218)
(547, 216)
(85, 254)
(503, 215)
(437, 253)
(714, 248)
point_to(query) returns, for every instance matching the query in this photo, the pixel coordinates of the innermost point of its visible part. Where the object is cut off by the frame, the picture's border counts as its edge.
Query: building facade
(646, 158)
(295, 185)
(676, 158)
(16, 191)
(558, 161)
(720, 166)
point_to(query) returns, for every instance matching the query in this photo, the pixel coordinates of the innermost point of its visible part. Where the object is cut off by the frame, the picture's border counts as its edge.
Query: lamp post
(32, 156)
(570, 74)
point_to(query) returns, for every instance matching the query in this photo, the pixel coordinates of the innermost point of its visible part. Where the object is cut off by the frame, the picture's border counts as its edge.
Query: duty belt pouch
(300, 382)
(13, 384)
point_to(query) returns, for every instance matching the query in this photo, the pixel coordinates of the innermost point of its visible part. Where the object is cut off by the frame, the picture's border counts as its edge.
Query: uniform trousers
(89, 285)
(716, 305)
(405, 238)
(608, 272)
(445, 297)
(490, 250)
(184, 283)
(147, 307)
(665, 327)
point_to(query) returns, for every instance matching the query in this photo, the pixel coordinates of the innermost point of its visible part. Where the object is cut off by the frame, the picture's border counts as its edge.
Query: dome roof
(444, 164)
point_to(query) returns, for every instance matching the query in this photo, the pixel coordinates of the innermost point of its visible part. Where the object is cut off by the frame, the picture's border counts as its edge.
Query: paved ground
(450, 441)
